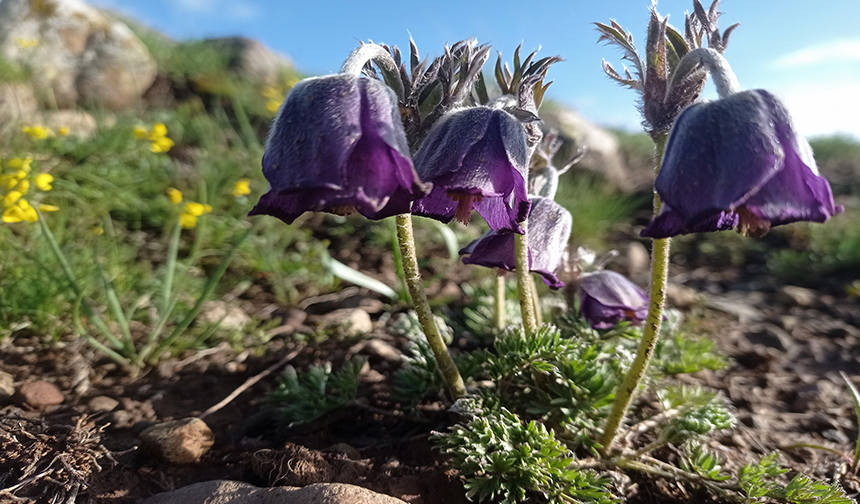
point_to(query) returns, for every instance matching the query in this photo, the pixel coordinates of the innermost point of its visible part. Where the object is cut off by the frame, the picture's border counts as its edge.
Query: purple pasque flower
(609, 297)
(337, 145)
(738, 163)
(476, 158)
(549, 232)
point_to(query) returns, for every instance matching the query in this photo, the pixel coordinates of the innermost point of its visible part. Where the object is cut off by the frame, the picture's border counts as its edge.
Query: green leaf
(344, 272)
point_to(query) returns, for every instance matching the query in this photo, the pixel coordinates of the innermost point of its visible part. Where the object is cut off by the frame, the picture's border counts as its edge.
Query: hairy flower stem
(419, 301)
(500, 301)
(535, 300)
(659, 275)
(524, 293)
(354, 65)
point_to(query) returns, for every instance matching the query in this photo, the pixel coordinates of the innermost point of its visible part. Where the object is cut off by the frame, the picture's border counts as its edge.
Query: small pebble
(102, 403)
(7, 387)
(40, 394)
(179, 441)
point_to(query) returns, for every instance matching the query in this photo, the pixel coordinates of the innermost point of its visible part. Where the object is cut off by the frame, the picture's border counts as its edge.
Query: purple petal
(549, 232)
(609, 297)
(479, 151)
(337, 144)
(671, 223)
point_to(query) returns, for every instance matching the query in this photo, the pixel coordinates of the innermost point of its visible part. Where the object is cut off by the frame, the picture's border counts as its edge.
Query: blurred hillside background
(118, 112)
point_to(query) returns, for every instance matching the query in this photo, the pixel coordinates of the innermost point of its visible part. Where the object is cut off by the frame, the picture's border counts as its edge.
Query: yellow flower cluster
(192, 210)
(242, 188)
(157, 136)
(14, 186)
(39, 132)
(275, 94)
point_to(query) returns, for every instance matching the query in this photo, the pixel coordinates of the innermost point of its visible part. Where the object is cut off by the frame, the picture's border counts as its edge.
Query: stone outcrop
(75, 53)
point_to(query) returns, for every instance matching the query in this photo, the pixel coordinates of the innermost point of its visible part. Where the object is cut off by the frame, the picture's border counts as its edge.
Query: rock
(179, 441)
(235, 492)
(253, 60)
(17, 105)
(80, 123)
(102, 404)
(39, 394)
(7, 387)
(291, 322)
(602, 156)
(771, 336)
(382, 350)
(798, 296)
(226, 316)
(681, 296)
(349, 321)
(742, 305)
(638, 263)
(76, 53)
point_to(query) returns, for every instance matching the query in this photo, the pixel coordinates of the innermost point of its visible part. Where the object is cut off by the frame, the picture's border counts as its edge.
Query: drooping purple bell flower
(476, 158)
(609, 297)
(337, 145)
(549, 233)
(738, 163)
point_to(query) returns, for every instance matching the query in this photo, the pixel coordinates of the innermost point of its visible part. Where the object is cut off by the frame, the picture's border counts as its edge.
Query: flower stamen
(751, 225)
(465, 203)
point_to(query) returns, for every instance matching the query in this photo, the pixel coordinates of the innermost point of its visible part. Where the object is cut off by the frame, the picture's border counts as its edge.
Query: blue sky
(808, 53)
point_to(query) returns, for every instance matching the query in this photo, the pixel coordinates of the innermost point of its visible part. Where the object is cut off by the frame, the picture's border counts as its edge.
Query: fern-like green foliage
(759, 480)
(567, 382)
(699, 460)
(699, 412)
(511, 461)
(301, 398)
(420, 376)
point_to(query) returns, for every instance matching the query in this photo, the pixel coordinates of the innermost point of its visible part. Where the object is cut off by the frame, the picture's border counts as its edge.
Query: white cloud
(839, 51)
(824, 107)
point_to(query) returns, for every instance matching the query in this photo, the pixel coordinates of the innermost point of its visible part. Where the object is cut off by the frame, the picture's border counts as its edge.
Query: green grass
(597, 209)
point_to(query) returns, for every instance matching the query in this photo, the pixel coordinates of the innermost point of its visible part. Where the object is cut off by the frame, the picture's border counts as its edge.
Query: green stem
(500, 300)
(523, 275)
(419, 300)
(535, 300)
(659, 276)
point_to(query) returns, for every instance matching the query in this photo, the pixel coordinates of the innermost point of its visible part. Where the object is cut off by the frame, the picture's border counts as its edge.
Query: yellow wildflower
(23, 186)
(158, 130)
(140, 132)
(161, 144)
(22, 211)
(43, 181)
(22, 165)
(97, 230)
(8, 181)
(64, 131)
(48, 208)
(175, 195)
(242, 188)
(27, 43)
(11, 198)
(187, 221)
(195, 209)
(36, 132)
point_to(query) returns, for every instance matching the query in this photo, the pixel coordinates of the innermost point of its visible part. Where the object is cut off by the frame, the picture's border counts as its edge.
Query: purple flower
(549, 232)
(609, 297)
(475, 158)
(338, 146)
(737, 162)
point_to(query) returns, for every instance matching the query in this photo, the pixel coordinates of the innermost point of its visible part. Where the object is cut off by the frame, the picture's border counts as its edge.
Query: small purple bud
(549, 233)
(476, 158)
(609, 297)
(337, 145)
(738, 163)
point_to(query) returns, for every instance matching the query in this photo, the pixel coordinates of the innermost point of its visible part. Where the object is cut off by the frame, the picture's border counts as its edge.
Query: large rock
(253, 60)
(235, 492)
(17, 105)
(603, 155)
(76, 53)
